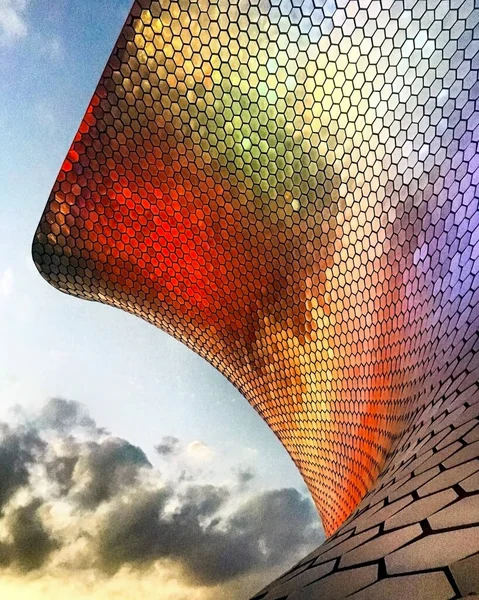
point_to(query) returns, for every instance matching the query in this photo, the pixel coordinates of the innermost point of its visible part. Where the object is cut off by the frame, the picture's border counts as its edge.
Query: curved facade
(290, 189)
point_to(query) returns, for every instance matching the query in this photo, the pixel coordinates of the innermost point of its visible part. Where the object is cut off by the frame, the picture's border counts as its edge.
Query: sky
(128, 465)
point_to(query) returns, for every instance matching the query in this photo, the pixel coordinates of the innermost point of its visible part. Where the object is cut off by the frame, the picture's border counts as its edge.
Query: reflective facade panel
(290, 189)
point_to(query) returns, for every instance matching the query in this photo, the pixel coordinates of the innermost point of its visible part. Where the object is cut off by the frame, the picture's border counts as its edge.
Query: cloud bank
(74, 498)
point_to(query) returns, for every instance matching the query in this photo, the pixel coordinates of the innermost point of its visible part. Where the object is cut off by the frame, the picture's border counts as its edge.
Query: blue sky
(133, 379)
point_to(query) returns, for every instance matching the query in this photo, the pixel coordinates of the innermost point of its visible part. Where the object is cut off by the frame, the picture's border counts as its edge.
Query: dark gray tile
(448, 478)
(437, 550)
(379, 547)
(421, 509)
(338, 585)
(466, 574)
(426, 586)
(463, 512)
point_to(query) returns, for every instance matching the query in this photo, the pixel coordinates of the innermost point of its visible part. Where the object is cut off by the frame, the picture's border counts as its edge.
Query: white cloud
(13, 23)
(200, 451)
(6, 278)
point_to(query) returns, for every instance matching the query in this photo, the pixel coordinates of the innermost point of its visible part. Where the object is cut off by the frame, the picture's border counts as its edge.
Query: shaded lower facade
(416, 533)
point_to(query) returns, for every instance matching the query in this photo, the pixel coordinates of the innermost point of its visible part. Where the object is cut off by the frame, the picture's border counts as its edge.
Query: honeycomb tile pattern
(290, 188)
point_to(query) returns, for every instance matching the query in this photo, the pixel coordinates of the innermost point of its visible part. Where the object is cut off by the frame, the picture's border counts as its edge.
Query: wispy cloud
(13, 23)
(14, 26)
(51, 47)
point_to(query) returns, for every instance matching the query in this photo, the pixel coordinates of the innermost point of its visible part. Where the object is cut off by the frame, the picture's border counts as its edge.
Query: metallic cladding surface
(290, 189)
